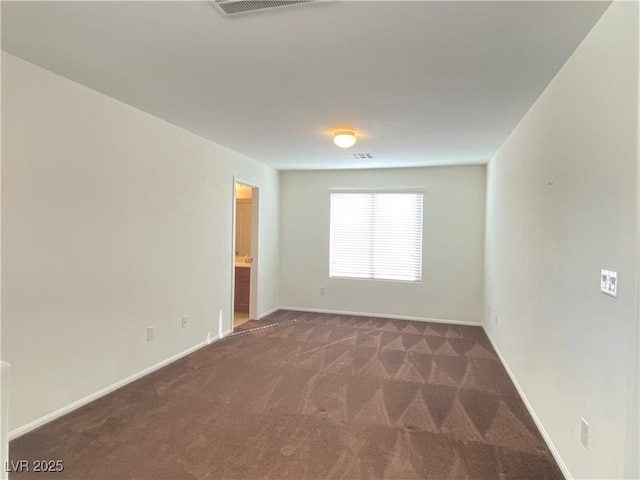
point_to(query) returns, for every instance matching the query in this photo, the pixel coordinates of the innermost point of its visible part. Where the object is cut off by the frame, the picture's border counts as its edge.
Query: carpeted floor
(308, 396)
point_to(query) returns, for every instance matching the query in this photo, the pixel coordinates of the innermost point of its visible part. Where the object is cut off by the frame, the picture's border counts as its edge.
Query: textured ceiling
(422, 83)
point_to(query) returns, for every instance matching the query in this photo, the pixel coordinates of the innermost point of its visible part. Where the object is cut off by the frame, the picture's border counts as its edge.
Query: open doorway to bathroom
(245, 205)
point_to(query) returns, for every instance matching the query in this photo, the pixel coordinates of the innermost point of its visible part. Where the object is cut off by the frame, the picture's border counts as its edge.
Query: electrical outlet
(151, 333)
(184, 321)
(323, 291)
(584, 433)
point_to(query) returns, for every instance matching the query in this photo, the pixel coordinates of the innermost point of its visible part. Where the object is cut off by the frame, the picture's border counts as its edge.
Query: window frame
(409, 190)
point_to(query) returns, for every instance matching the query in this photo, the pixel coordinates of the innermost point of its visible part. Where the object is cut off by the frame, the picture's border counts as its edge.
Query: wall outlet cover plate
(584, 433)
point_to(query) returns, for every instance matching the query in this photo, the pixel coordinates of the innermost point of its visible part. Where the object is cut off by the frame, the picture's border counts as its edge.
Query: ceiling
(421, 82)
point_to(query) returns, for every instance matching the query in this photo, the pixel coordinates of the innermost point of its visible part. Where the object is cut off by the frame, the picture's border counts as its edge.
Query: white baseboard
(268, 312)
(381, 315)
(104, 391)
(100, 393)
(532, 412)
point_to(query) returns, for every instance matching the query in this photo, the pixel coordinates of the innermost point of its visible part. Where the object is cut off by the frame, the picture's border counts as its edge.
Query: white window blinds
(376, 235)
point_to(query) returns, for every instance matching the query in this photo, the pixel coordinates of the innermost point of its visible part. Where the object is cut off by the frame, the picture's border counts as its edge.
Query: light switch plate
(609, 283)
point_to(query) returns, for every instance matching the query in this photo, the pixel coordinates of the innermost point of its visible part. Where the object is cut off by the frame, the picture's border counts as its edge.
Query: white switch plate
(184, 321)
(150, 333)
(609, 283)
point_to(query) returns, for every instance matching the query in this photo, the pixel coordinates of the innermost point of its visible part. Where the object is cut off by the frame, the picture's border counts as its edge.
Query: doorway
(245, 252)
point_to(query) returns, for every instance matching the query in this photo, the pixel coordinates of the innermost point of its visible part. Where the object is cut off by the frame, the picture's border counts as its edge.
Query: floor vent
(361, 156)
(236, 7)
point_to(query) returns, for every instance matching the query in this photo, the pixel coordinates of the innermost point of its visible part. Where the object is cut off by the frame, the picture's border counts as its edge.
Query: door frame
(255, 248)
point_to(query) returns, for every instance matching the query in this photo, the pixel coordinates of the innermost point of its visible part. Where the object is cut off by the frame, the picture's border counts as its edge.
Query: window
(376, 235)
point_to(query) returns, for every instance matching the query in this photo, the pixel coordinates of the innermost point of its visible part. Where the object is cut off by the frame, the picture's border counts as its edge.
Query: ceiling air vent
(236, 7)
(361, 156)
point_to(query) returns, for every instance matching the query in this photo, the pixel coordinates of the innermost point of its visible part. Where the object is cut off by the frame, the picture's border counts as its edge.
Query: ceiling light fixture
(344, 139)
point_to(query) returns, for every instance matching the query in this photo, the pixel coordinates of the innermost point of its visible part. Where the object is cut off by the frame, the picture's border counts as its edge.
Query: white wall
(453, 243)
(112, 220)
(561, 205)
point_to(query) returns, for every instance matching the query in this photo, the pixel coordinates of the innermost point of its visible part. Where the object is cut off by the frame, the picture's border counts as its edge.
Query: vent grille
(236, 7)
(361, 156)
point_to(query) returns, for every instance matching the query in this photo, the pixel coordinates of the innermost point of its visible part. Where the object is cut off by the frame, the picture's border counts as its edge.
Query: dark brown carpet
(310, 397)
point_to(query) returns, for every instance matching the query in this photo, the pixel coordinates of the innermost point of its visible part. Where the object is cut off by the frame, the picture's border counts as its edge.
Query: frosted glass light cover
(344, 139)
